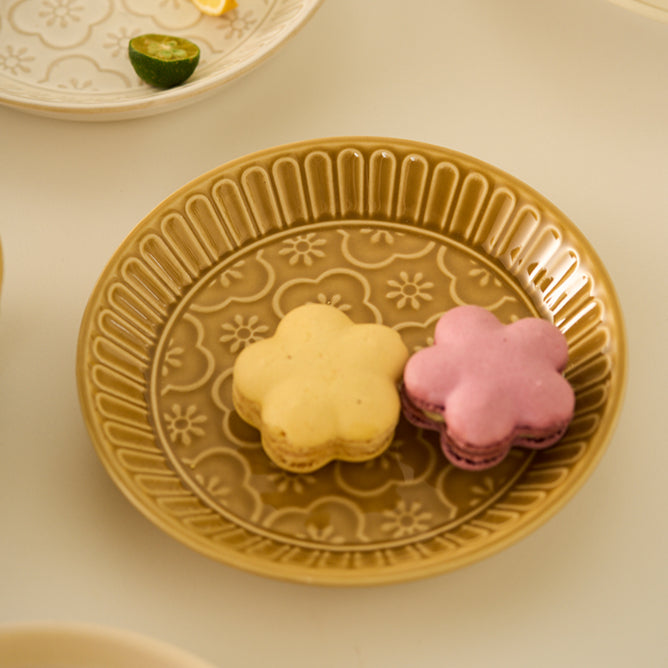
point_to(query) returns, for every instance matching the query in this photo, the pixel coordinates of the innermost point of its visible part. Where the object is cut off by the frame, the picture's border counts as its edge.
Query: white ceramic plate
(57, 645)
(68, 58)
(653, 9)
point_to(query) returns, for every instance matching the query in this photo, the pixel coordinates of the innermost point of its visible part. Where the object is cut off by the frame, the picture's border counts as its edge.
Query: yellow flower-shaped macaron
(321, 388)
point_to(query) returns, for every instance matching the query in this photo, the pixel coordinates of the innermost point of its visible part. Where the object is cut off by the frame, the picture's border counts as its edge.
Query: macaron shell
(495, 386)
(321, 388)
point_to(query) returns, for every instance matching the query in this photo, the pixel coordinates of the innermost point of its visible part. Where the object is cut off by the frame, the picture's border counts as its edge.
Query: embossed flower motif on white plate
(165, 15)
(410, 291)
(59, 23)
(236, 24)
(77, 84)
(14, 60)
(239, 333)
(378, 236)
(80, 73)
(304, 247)
(183, 424)
(334, 300)
(61, 12)
(117, 42)
(405, 520)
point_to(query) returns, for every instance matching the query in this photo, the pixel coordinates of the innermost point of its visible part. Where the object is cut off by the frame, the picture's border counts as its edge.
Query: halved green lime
(163, 60)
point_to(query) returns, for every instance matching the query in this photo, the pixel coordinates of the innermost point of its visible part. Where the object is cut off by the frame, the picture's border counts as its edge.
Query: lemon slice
(163, 60)
(215, 7)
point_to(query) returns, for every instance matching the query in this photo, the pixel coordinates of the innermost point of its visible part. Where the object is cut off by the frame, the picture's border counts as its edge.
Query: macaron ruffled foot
(322, 388)
(486, 386)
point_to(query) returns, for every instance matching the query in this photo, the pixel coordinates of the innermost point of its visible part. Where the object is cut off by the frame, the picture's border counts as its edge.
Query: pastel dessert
(321, 388)
(486, 386)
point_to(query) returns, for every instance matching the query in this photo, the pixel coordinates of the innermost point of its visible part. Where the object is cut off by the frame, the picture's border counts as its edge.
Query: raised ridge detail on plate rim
(173, 267)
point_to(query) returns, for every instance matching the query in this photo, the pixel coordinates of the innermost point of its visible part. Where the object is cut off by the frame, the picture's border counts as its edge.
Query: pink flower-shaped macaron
(486, 386)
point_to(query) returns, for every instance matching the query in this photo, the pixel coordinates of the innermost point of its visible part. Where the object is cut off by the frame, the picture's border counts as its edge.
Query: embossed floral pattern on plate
(69, 57)
(390, 232)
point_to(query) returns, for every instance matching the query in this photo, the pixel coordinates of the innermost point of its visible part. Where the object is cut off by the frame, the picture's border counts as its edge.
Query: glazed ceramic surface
(70, 59)
(389, 231)
(86, 646)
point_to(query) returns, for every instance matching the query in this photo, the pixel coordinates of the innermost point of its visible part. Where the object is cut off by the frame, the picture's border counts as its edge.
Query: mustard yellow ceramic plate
(389, 231)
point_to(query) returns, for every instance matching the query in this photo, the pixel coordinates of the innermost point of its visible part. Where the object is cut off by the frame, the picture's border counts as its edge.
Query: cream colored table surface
(570, 96)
